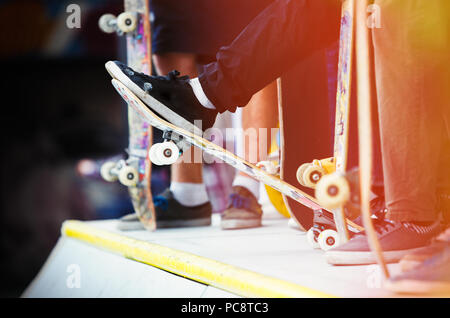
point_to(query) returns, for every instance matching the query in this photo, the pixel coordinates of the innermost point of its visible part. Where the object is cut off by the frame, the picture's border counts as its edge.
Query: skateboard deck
(135, 24)
(183, 139)
(365, 128)
(332, 190)
(343, 105)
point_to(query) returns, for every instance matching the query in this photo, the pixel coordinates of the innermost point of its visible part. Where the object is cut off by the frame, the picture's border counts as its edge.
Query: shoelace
(380, 223)
(383, 225)
(378, 205)
(175, 76)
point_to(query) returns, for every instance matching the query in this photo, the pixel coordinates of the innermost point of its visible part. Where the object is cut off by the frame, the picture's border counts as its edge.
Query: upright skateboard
(313, 174)
(178, 140)
(365, 128)
(331, 190)
(135, 171)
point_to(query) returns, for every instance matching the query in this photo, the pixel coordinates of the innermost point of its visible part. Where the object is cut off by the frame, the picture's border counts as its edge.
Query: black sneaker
(170, 213)
(396, 239)
(243, 211)
(432, 277)
(171, 97)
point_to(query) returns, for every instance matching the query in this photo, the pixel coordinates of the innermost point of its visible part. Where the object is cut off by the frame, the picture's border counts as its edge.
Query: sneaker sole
(152, 102)
(239, 224)
(364, 258)
(130, 226)
(183, 223)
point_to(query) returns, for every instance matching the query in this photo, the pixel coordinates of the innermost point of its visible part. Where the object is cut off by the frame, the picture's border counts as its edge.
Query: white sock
(250, 184)
(200, 94)
(189, 194)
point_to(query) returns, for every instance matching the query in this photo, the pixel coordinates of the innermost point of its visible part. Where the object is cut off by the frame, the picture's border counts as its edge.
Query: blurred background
(60, 120)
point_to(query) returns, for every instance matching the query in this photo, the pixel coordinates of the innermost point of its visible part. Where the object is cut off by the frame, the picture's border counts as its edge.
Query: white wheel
(105, 171)
(300, 171)
(332, 191)
(168, 153)
(311, 239)
(107, 23)
(312, 174)
(152, 154)
(328, 239)
(128, 176)
(268, 166)
(127, 22)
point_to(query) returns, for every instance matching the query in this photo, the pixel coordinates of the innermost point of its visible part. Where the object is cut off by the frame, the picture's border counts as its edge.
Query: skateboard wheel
(126, 22)
(328, 239)
(168, 153)
(153, 156)
(300, 172)
(311, 239)
(105, 171)
(165, 153)
(312, 174)
(107, 23)
(128, 176)
(332, 191)
(268, 166)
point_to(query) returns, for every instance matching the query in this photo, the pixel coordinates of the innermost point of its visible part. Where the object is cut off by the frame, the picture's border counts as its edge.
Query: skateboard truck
(168, 152)
(124, 171)
(310, 173)
(125, 22)
(269, 167)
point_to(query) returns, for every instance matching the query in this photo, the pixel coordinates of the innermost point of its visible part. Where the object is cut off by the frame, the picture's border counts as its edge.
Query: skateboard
(307, 86)
(135, 171)
(327, 176)
(178, 140)
(365, 127)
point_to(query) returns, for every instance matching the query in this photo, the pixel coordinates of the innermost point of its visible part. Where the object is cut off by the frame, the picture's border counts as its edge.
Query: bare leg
(261, 112)
(186, 64)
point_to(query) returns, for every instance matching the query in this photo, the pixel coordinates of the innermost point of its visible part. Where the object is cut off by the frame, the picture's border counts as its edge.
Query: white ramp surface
(94, 259)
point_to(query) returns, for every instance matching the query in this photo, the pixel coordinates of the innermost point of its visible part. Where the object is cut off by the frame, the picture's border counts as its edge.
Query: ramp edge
(230, 278)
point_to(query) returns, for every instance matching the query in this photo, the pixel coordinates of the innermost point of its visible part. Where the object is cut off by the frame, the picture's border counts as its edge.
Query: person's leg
(186, 64)
(259, 118)
(277, 39)
(412, 93)
(186, 185)
(281, 35)
(412, 77)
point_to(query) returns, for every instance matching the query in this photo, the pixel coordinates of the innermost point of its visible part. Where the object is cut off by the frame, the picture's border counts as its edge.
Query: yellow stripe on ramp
(207, 271)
